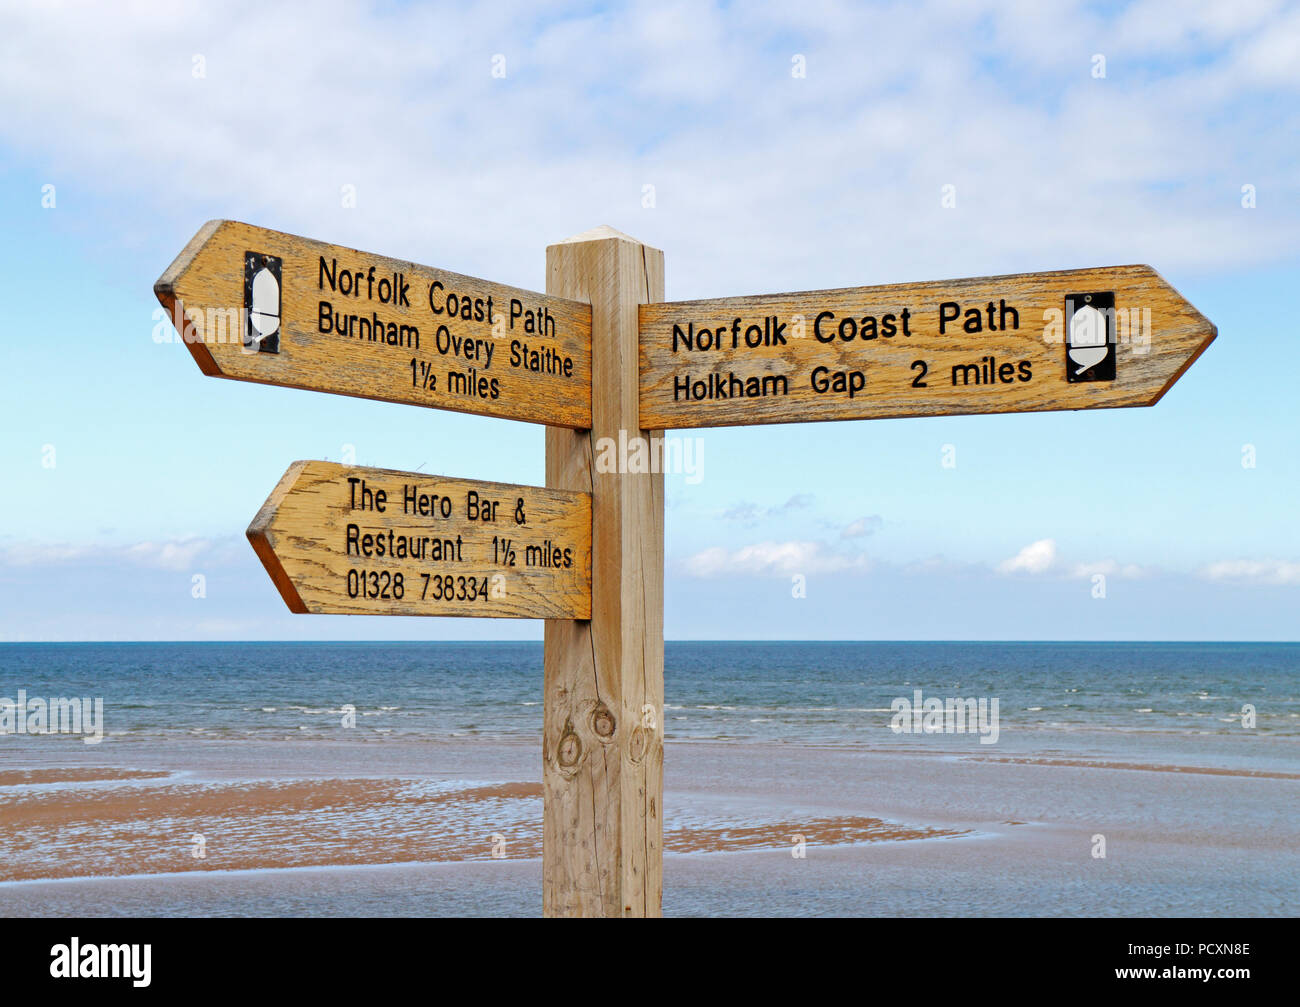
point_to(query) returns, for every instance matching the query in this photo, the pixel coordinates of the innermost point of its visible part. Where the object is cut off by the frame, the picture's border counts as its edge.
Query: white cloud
(1043, 557)
(169, 555)
(1110, 568)
(862, 526)
(771, 558)
(1269, 572)
(750, 513)
(931, 565)
(178, 555)
(477, 174)
(1165, 26)
(42, 555)
(1037, 557)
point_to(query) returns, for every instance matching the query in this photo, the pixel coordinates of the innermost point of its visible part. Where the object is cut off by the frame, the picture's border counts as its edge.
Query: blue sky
(763, 182)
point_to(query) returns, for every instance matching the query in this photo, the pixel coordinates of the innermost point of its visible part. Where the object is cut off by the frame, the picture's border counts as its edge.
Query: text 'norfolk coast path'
(259, 305)
(1077, 339)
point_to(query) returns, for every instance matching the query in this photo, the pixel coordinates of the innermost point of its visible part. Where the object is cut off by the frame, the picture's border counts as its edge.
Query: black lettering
(817, 327)
(944, 317)
(966, 370)
(1003, 311)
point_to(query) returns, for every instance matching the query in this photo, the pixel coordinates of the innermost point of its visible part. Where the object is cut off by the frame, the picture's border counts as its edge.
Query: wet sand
(105, 830)
(1149, 767)
(409, 828)
(14, 777)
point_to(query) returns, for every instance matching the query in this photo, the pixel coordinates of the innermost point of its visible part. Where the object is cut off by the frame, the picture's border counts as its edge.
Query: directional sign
(364, 541)
(1078, 339)
(258, 305)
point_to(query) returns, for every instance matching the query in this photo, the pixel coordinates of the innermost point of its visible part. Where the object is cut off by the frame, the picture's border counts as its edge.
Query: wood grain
(604, 679)
(1150, 356)
(310, 533)
(203, 291)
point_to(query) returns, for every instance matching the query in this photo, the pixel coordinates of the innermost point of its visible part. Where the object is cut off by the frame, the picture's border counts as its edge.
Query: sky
(763, 148)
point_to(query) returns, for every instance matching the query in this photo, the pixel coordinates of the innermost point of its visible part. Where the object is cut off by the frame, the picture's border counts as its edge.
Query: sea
(833, 693)
(376, 778)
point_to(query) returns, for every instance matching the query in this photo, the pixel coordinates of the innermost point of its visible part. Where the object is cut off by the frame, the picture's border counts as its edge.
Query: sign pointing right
(1076, 339)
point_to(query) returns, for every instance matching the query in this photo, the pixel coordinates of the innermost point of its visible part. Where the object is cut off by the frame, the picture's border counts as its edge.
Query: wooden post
(602, 750)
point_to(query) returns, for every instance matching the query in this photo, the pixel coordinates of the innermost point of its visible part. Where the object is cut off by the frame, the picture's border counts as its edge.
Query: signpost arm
(602, 749)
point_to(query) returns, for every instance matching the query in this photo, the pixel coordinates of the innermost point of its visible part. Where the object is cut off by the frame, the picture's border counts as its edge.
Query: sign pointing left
(364, 541)
(260, 305)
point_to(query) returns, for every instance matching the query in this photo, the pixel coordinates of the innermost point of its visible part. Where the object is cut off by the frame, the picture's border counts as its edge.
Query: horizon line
(16, 643)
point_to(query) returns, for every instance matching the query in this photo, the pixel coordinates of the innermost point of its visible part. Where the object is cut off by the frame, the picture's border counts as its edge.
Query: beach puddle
(1148, 767)
(813, 832)
(19, 777)
(64, 830)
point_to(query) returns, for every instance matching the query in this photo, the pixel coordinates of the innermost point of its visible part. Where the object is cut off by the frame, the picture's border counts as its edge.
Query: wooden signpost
(601, 359)
(992, 344)
(361, 541)
(258, 305)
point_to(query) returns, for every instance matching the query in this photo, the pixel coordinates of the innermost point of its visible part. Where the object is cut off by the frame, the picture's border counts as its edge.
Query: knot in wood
(570, 749)
(602, 722)
(637, 744)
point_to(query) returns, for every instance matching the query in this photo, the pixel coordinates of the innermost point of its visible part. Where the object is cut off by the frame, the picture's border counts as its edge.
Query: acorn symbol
(261, 303)
(1087, 338)
(264, 311)
(1090, 336)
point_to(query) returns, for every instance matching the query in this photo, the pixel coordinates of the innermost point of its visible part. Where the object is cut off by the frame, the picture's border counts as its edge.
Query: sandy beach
(409, 828)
